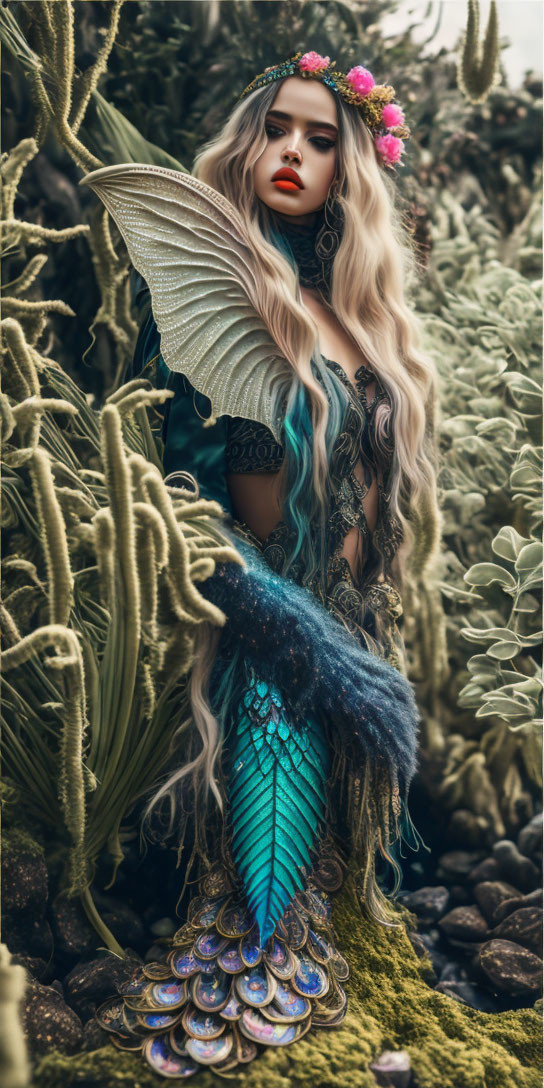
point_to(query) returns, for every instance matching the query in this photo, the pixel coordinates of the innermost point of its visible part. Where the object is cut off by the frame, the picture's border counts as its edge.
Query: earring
(329, 235)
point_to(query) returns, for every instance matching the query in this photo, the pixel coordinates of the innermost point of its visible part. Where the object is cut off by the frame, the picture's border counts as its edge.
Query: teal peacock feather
(278, 768)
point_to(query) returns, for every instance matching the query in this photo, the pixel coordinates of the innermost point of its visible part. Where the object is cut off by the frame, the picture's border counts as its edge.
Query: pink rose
(313, 62)
(361, 79)
(390, 148)
(392, 115)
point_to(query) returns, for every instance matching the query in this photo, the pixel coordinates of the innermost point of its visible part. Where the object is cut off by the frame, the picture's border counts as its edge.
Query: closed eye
(321, 142)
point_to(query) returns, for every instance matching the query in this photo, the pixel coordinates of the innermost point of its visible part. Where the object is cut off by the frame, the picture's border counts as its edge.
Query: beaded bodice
(364, 598)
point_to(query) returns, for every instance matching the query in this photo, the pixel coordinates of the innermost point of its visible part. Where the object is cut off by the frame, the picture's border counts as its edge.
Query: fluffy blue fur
(296, 644)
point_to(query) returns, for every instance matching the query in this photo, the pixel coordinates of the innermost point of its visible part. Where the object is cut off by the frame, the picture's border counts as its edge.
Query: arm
(286, 633)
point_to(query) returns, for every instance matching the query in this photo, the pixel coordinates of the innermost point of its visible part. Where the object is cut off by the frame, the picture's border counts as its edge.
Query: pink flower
(361, 79)
(390, 148)
(392, 115)
(313, 62)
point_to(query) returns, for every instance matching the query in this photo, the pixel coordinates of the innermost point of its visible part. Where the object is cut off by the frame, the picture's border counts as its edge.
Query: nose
(291, 154)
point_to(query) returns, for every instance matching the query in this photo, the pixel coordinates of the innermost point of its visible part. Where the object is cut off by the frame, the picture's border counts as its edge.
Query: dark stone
(35, 966)
(125, 924)
(524, 927)
(27, 936)
(467, 829)
(453, 973)
(89, 984)
(521, 871)
(532, 899)
(460, 895)
(455, 864)
(469, 994)
(491, 893)
(48, 1022)
(530, 838)
(156, 954)
(73, 933)
(428, 903)
(464, 924)
(511, 968)
(392, 1069)
(24, 877)
(488, 869)
(94, 1036)
(438, 959)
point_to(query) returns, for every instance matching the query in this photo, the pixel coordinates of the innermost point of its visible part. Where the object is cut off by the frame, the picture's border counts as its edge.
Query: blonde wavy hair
(372, 266)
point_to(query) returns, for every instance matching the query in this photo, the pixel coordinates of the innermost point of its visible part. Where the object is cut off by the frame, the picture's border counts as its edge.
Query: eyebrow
(309, 124)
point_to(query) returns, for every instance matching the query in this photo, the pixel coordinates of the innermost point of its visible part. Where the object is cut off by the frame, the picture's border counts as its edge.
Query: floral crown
(383, 117)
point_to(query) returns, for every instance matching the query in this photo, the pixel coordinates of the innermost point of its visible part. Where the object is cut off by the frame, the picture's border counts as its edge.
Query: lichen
(391, 1007)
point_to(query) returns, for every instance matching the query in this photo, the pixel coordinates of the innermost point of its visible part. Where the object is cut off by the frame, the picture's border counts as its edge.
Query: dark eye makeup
(321, 142)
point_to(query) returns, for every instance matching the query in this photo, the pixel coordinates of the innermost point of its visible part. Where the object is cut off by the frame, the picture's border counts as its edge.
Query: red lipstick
(287, 179)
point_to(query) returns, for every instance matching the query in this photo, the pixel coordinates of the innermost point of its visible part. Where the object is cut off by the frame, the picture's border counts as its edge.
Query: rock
(94, 1036)
(467, 829)
(392, 1069)
(453, 973)
(524, 927)
(156, 954)
(469, 994)
(460, 895)
(73, 933)
(164, 927)
(532, 899)
(48, 1022)
(125, 924)
(34, 965)
(90, 984)
(464, 924)
(428, 903)
(488, 869)
(30, 937)
(521, 871)
(530, 838)
(24, 876)
(438, 959)
(455, 864)
(511, 968)
(491, 893)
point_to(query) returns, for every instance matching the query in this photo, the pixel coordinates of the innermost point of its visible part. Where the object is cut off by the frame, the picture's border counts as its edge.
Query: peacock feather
(278, 767)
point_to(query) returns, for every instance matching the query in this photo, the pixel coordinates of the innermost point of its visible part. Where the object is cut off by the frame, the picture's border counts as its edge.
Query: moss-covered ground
(391, 1006)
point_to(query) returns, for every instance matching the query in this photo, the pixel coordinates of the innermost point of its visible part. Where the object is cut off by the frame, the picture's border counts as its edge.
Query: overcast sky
(520, 22)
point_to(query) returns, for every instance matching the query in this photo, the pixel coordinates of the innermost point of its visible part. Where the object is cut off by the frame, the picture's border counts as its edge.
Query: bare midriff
(256, 495)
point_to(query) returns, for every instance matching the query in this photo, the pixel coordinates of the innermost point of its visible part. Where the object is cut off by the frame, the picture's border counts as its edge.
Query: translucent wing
(187, 242)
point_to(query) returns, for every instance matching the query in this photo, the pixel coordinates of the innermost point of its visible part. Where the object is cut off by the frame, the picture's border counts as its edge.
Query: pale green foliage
(483, 327)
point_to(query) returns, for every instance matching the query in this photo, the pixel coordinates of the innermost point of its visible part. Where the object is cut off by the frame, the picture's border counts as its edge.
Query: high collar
(301, 238)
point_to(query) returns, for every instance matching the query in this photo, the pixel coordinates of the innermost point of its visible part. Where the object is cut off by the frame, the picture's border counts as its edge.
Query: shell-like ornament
(157, 1021)
(202, 1025)
(157, 971)
(246, 1051)
(314, 904)
(134, 985)
(256, 986)
(210, 944)
(234, 1007)
(210, 992)
(164, 1060)
(318, 947)
(210, 1051)
(127, 1043)
(233, 921)
(177, 1037)
(340, 966)
(216, 883)
(256, 1027)
(110, 1015)
(287, 1005)
(250, 949)
(207, 912)
(230, 960)
(186, 964)
(310, 979)
(292, 929)
(171, 994)
(279, 958)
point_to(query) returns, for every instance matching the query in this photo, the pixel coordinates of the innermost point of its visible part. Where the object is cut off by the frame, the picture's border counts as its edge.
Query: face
(302, 130)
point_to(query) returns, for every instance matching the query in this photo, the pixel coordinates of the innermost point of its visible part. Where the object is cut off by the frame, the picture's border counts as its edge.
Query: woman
(276, 275)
